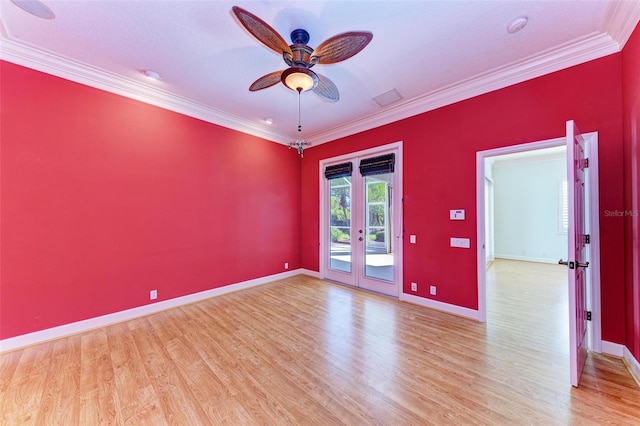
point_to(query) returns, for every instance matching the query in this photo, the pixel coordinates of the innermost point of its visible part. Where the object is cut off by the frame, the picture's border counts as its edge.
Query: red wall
(631, 105)
(105, 198)
(439, 174)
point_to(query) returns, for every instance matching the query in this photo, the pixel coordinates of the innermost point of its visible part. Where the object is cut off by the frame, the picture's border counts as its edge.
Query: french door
(362, 221)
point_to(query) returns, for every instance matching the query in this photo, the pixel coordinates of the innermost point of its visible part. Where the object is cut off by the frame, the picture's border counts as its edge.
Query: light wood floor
(305, 351)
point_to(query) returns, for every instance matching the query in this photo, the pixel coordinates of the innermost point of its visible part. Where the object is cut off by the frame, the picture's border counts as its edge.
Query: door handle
(571, 265)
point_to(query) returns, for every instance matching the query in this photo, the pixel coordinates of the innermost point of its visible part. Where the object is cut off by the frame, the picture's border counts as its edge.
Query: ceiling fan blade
(341, 47)
(326, 89)
(262, 31)
(266, 81)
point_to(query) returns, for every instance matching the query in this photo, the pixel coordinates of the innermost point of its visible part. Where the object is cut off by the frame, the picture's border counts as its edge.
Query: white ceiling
(432, 52)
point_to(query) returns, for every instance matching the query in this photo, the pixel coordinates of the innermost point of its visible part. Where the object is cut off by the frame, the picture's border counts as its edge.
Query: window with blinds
(488, 220)
(563, 211)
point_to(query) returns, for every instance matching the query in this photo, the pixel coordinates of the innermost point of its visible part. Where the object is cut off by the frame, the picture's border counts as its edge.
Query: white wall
(526, 208)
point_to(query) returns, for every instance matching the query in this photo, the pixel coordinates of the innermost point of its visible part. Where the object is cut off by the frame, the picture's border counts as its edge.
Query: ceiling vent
(387, 98)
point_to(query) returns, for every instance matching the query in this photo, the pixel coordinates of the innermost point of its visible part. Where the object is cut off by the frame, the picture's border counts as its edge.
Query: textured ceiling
(431, 52)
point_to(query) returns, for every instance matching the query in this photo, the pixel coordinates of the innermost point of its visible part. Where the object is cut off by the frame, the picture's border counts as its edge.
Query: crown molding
(577, 52)
(621, 19)
(49, 63)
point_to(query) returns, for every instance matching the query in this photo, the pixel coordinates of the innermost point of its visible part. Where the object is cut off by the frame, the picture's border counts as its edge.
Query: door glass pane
(378, 220)
(340, 224)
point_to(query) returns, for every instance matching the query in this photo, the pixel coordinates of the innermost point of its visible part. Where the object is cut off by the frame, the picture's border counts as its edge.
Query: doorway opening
(514, 262)
(526, 235)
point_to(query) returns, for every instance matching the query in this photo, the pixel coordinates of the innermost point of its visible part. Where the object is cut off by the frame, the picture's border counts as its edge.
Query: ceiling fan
(300, 57)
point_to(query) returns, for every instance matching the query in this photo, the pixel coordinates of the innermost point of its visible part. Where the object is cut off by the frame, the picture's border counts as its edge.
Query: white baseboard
(614, 349)
(621, 351)
(526, 258)
(632, 364)
(17, 342)
(440, 306)
(309, 272)
(41, 336)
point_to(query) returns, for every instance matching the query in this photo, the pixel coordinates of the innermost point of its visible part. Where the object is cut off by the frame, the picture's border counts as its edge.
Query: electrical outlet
(286, 265)
(432, 290)
(460, 242)
(153, 294)
(414, 286)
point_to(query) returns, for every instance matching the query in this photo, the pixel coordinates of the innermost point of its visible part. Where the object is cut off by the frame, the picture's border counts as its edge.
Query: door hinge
(588, 315)
(587, 239)
(585, 163)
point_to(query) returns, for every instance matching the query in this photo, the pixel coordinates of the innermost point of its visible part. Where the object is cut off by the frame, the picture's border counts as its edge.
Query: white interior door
(577, 261)
(362, 224)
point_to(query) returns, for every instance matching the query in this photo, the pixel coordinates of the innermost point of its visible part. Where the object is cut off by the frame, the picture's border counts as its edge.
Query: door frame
(398, 216)
(591, 139)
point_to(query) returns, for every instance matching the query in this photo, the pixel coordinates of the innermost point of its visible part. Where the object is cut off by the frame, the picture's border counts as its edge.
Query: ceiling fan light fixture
(299, 79)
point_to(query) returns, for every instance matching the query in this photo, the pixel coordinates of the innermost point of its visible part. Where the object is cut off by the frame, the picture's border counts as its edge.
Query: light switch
(460, 242)
(456, 214)
(412, 239)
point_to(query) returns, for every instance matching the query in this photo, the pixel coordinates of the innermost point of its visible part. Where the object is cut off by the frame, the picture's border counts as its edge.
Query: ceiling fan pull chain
(299, 113)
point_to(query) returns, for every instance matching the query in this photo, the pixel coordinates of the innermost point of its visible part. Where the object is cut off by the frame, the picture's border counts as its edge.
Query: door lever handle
(582, 265)
(571, 265)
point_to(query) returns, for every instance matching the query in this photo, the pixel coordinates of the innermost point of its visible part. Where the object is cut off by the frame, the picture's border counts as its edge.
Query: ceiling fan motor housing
(299, 36)
(300, 55)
